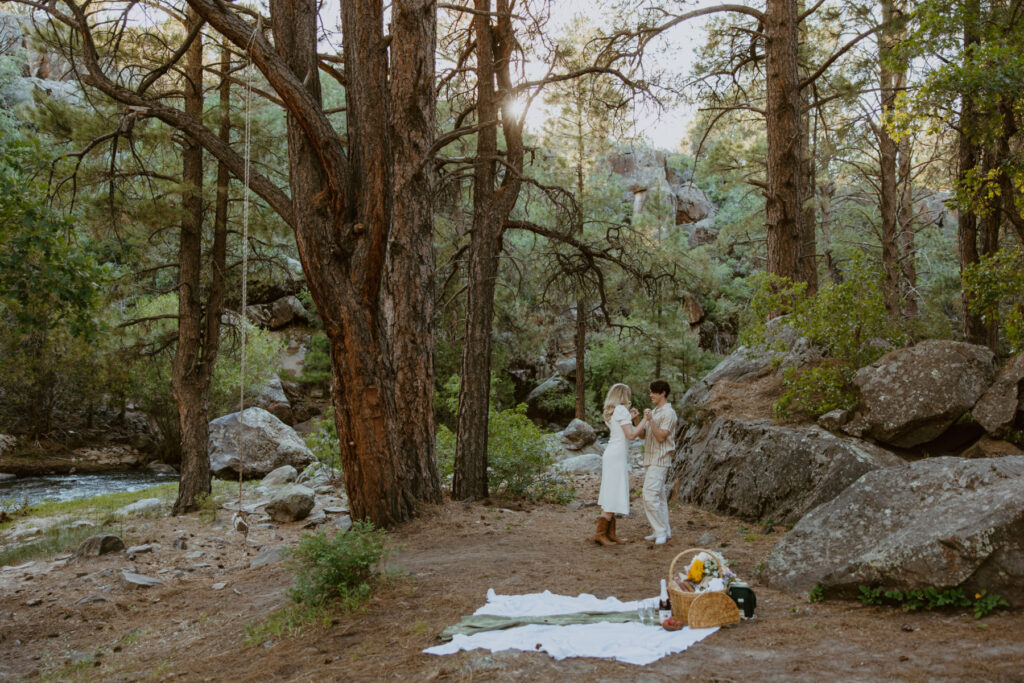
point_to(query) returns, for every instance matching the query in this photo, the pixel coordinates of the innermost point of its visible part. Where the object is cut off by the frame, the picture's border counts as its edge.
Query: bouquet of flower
(704, 574)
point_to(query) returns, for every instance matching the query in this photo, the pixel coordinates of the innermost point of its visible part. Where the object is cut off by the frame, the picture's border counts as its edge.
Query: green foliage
(340, 569)
(995, 289)
(316, 368)
(289, 622)
(914, 599)
(150, 374)
(817, 594)
(815, 391)
(519, 456)
(324, 443)
(848, 321)
(50, 293)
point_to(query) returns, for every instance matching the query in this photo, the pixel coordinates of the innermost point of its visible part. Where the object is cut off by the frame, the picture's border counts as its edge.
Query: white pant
(655, 504)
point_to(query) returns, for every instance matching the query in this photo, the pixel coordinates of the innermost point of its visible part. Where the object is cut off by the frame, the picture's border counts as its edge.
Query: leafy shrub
(519, 456)
(337, 569)
(316, 368)
(914, 599)
(847, 320)
(324, 443)
(816, 391)
(995, 289)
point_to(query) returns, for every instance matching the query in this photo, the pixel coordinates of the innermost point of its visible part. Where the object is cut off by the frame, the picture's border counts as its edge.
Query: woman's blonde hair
(618, 395)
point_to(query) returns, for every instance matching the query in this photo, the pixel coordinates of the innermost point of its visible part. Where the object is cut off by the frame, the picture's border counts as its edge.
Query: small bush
(914, 599)
(316, 368)
(519, 457)
(337, 569)
(816, 391)
(995, 288)
(324, 443)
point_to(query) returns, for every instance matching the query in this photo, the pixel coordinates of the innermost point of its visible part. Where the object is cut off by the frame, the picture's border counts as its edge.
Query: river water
(58, 487)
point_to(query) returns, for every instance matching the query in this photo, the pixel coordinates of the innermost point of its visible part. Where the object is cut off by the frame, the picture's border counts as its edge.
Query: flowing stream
(57, 487)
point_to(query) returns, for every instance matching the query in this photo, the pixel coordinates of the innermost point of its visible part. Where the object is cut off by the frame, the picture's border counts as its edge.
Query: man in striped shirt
(659, 431)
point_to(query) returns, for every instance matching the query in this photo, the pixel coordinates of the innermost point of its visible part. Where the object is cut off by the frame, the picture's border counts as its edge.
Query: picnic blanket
(565, 626)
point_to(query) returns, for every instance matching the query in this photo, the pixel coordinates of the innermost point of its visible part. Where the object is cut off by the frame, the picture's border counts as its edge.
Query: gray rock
(1001, 408)
(940, 522)
(703, 233)
(273, 399)
(140, 579)
(139, 549)
(291, 503)
(7, 477)
(588, 463)
(285, 311)
(707, 541)
(282, 475)
(834, 419)
(552, 385)
(101, 544)
(268, 555)
(783, 348)
(142, 507)
(266, 444)
(343, 523)
(692, 205)
(566, 367)
(759, 470)
(161, 468)
(220, 585)
(7, 444)
(910, 396)
(578, 434)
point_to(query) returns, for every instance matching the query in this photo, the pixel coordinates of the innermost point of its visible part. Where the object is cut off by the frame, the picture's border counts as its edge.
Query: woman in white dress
(614, 496)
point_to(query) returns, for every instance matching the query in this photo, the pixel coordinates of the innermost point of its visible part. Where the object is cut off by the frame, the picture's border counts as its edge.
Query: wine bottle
(664, 605)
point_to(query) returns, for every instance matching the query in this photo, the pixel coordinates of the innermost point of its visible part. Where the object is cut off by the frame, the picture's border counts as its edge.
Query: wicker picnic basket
(701, 610)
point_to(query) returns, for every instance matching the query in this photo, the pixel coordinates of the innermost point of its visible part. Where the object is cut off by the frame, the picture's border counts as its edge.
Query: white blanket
(633, 643)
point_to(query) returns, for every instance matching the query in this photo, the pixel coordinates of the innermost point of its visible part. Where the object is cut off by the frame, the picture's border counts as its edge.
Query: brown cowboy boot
(611, 533)
(602, 532)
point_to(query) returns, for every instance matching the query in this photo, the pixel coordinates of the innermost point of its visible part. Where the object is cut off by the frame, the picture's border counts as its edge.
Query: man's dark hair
(660, 386)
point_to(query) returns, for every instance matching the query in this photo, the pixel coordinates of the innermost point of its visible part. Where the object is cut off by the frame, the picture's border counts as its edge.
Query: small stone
(101, 544)
(91, 598)
(268, 555)
(335, 510)
(707, 540)
(180, 544)
(195, 554)
(33, 602)
(219, 585)
(140, 579)
(139, 549)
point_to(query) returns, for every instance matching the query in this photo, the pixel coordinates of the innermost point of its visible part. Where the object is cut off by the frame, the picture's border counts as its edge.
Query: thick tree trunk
(409, 284)
(193, 364)
(341, 231)
(808, 264)
(491, 207)
(784, 165)
(907, 250)
(582, 305)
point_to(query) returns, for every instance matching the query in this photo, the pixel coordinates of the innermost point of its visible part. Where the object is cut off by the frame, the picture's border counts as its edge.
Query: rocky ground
(78, 619)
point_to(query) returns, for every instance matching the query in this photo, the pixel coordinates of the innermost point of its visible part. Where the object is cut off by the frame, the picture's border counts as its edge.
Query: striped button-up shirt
(661, 452)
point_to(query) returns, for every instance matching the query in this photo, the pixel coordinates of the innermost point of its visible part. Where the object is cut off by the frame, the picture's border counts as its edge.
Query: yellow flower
(696, 572)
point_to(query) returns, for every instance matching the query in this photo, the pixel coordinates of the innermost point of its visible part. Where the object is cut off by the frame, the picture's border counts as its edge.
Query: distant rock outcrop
(940, 522)
(1001, 408)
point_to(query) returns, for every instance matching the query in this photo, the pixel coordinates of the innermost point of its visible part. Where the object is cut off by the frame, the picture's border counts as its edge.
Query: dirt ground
(76, 619)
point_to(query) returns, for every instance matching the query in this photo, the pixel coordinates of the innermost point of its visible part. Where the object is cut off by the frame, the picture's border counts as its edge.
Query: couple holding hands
(657, 427)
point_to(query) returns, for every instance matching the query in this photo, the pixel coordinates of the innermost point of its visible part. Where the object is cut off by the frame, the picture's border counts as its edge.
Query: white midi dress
(614, 496)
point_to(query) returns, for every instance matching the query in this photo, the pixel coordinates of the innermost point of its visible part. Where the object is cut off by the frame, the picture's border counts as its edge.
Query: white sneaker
(655, 536)
(660, 540)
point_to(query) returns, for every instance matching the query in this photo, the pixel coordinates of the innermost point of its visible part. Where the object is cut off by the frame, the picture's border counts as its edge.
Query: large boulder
(940, 522)
(760, 470)
(1001, 408)
(910, 396)
(691, 204)
(7, 444)
(291, 503)
(101, 544)
(783, 347)
(266, 443)
(578, 434)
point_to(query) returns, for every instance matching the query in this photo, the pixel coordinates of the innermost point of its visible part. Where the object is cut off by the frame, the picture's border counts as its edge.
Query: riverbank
(52, 459)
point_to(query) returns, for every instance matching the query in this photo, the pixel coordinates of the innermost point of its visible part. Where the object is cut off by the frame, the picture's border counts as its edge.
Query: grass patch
(288, 622)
